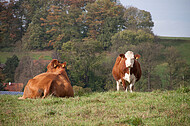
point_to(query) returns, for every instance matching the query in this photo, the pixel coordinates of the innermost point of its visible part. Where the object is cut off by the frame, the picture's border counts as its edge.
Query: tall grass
(105, 108)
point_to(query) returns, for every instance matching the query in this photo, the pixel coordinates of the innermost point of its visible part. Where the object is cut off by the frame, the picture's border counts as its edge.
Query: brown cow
(55, 81)
(127, 68)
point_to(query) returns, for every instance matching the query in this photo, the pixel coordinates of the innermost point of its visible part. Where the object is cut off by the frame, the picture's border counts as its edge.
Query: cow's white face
(130, 59)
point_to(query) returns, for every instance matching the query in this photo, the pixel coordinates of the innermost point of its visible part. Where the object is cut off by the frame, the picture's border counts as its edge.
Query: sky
(171, 17)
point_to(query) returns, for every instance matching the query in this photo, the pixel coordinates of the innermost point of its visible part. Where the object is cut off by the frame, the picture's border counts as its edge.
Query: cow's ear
(54, 63)
(122, 55)
(137, 56)
(64, 64)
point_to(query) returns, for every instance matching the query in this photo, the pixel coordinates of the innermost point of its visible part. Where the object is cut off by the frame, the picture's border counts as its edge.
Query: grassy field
(174, 38)
(161, 108)
(46, 55)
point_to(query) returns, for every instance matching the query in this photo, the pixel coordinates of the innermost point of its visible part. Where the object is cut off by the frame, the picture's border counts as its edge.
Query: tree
(61, 22)
(130, 37)
(101, 20)
(150, 57)
(11, 65)
(10, 24)
(36, 37)
(177, 68)
(28, 68)
(138, 19)
(2, 77)
(81, 58)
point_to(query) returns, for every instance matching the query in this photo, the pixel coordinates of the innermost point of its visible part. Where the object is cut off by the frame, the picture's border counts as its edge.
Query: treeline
(89, 35)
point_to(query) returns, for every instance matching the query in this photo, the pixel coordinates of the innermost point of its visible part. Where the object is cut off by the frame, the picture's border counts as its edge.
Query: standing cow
(54, 82)
(127, 68)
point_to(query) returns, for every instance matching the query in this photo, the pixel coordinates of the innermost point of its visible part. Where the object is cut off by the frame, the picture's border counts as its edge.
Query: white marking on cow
(130, 59)
(118, 82)
(131, 79)
(127, 77)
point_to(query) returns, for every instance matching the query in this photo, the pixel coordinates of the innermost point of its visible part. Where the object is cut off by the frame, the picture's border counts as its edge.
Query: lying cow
(127, 68)
(54, 82)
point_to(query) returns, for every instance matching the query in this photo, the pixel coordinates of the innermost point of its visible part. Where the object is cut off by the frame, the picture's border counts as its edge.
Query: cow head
(55, 65)
(129, 58)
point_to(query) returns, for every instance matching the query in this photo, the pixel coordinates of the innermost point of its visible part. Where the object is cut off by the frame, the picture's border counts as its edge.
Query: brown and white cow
(54, 82)
(127, 69)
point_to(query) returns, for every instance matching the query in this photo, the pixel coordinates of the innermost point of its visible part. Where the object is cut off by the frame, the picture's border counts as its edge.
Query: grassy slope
(181, 43)
(107, 108)
(46, 55)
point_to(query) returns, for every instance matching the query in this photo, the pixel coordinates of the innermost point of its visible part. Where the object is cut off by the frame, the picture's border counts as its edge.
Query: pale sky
(170, 17)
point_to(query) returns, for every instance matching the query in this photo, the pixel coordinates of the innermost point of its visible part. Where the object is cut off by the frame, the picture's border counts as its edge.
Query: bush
(79, 91)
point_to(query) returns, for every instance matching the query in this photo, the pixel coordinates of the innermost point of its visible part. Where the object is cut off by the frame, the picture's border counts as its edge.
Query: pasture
(104, 108)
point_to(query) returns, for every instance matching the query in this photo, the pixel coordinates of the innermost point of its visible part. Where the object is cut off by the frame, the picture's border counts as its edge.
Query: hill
(181, 43)
(46, 55)
(105, 108)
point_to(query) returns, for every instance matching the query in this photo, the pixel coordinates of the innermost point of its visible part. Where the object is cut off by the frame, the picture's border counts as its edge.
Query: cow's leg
(127, 86)
(47, 89)
(46, 92)
(117, 85)
(124, 84)
(131, 86)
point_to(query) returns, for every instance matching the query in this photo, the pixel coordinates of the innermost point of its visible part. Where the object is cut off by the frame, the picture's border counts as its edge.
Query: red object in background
(14, 86)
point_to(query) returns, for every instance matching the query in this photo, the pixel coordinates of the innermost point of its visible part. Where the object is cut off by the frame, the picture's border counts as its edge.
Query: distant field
(174, 38)
(46, 55)
(163, 108)
(181, 43)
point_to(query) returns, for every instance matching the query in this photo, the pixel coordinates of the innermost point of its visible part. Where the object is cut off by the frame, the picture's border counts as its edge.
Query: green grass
(46, 55)
(174, 38)
(106, 108)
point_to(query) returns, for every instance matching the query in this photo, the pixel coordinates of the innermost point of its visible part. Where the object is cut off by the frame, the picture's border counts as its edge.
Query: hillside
(46, 55)
(105, 108)
(181, 43)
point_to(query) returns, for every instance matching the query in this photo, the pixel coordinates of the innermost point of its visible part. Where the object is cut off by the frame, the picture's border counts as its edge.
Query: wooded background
(88, 35)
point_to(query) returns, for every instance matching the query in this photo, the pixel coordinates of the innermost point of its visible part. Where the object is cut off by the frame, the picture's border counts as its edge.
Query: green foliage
(105, 108)
(127, 37)
(11, 65)
(36, 37)
(81, 57)
(103, 19)
(11, 25)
